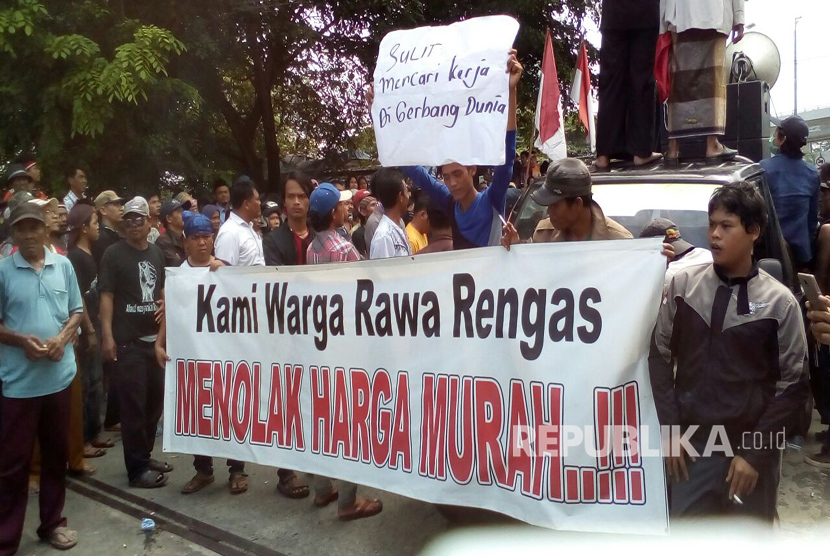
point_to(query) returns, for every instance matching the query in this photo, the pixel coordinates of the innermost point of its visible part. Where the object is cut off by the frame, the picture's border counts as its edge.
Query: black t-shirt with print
(136, 280)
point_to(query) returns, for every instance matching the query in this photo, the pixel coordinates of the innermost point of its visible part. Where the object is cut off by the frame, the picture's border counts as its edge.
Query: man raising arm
(475, 215)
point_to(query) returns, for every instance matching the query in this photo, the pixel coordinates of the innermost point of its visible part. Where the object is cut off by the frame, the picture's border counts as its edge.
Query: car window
(635, 204)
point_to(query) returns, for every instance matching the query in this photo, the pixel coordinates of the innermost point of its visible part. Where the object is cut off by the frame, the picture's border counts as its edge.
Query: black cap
(566, 179)
(17, 171)
(270, 208)
(169, 207)
(794, 127)
(670, 233)
(26, 211)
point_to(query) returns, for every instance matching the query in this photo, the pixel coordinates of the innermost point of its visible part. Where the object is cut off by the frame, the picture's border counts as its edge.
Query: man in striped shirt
(328, 210)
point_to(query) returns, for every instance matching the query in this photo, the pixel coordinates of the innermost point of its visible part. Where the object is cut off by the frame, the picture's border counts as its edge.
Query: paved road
(261, 522)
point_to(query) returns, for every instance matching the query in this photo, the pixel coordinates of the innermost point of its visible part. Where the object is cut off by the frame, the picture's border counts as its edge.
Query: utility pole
(795, 66)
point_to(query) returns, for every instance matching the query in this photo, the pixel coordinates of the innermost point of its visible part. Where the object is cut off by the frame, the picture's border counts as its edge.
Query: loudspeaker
(754, 149)
(747, 111)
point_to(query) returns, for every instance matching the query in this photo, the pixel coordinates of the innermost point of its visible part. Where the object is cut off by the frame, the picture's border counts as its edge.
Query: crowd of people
(83, 335)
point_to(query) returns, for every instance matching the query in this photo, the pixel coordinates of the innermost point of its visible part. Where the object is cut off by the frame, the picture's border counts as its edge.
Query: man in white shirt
(238, 243)
(390, 240)
(76, 178)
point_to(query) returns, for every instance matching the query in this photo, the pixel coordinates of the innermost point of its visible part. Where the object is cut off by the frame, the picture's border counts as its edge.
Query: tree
(73, 84)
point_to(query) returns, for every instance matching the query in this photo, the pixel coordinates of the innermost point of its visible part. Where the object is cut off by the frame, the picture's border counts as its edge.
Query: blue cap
(325, 197)
(198, 224)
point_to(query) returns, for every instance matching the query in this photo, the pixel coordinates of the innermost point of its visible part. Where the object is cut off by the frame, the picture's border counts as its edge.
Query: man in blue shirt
(40, 311)
(475, 216)
(794, 186)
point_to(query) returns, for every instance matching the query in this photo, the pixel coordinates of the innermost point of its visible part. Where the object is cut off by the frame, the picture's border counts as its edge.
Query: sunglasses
(134, 221)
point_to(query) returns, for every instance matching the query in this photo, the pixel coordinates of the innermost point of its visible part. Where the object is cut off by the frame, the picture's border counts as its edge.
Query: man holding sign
(475, 216)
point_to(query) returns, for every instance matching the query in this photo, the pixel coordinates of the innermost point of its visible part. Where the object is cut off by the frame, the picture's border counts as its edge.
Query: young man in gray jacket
(738, 341)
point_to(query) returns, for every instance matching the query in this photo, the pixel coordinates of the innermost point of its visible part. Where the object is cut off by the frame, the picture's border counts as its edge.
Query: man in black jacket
(288, 244)
(737, 338)
(625, 123)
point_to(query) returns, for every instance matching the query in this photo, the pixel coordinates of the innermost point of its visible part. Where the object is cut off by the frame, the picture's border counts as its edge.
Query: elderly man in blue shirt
(40, 311)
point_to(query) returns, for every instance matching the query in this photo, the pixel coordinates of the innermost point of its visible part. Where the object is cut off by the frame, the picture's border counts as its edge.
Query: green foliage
(154, 92)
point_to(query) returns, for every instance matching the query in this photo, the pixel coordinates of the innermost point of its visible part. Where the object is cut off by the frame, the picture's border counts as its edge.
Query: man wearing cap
(185, 197)
(573, 214)
(131, 282)
(272, 214)
(110, 207)
(170, 242)
(328, 211)
(16, 200)
(682, 253)
(238, 243)
(198, 236)
(51, 217)
(76, 178)
(794, 186)
(40, 311)
(18, 179)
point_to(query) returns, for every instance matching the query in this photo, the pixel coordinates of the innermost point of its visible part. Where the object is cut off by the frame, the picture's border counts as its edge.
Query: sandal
(149, 479)
(288, 487)
(323, 501)
(160, 466)
(98, 443)
(363, 507)
(725, 155)
(197, 483)
(62, 538)
(93, 452)
(238, 482)
(671, 162)
(85, 470)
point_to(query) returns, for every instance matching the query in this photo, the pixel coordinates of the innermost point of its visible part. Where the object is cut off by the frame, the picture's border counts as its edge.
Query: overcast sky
(774, 18)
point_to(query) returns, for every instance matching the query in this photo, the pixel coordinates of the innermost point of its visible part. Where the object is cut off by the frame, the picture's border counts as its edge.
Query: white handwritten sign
(441, 93)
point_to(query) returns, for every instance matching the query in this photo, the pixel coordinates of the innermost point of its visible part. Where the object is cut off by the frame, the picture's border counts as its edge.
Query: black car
(635, 196)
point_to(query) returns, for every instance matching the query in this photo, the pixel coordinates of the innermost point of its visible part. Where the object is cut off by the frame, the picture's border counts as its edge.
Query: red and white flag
(550, 127)
(581, 94)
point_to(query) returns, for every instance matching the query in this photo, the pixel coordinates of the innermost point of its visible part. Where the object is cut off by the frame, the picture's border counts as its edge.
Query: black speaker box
(747, 111)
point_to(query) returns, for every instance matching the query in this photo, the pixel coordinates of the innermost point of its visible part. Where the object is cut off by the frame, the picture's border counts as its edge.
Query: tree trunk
(263, 62)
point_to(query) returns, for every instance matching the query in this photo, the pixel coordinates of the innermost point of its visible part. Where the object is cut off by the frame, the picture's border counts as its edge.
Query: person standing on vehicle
(794, 186)
(625, 123)
(573, 214)
(697, 102)
(736, 338)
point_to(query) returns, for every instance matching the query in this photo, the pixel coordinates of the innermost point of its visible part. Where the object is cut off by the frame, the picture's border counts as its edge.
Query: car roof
(697, 171)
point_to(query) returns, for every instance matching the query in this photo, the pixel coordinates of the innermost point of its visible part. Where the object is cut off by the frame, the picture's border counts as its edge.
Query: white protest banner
(513, 381)
(441, 93)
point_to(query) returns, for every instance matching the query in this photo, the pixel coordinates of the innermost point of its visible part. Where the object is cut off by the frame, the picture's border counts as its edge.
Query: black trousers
(627, 94)
(706, 493)
(140, 385)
